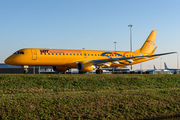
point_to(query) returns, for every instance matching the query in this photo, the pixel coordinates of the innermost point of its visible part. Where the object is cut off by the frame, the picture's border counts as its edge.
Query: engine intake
(85, 66)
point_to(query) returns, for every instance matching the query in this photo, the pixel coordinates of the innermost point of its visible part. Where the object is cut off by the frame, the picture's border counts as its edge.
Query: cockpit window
(22, 53)
(16, 53)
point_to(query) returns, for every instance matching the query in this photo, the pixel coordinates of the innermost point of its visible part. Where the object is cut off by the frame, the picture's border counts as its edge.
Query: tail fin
(166, 68)
(155, 68)
(149, 44)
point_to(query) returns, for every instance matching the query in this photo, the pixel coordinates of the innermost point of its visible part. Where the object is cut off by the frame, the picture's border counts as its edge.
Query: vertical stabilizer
(165, 66)
(149, 44)
(155, 68)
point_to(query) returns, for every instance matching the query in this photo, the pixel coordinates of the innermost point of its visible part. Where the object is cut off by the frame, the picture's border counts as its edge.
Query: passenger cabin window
(48, 53)
(52, 53)
(67, 54)
(91, 54)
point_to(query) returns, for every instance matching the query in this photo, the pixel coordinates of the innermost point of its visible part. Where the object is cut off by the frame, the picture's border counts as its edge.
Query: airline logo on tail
(151, 42)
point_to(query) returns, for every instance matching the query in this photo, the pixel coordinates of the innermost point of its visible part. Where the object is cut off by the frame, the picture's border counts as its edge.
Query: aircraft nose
(9, 60)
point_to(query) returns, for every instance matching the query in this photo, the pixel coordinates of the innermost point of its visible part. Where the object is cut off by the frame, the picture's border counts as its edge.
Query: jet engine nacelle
(59, 68)
(85, 66)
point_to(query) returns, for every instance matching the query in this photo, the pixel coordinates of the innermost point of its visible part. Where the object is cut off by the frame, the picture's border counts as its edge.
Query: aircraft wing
(128, 59)
(161, 54)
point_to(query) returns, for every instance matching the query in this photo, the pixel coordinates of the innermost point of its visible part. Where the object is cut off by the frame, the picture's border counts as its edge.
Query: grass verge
(89, 96)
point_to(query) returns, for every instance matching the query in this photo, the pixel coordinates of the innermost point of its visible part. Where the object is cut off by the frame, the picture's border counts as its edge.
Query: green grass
(89, 96)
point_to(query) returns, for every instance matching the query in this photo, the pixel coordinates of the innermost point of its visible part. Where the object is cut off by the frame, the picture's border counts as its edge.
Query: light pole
(141, 67)
(160, 62)
(115, 45)
(177, 64)
(39, 69)
(34, 70)
(130, 37)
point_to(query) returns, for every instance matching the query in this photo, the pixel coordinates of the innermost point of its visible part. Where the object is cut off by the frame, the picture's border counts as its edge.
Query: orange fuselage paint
(67, 57)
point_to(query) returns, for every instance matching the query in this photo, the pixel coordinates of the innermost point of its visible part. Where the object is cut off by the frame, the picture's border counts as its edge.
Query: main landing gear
(99, 71)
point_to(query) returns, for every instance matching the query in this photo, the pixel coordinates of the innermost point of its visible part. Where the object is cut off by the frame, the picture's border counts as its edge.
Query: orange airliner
(84, 60)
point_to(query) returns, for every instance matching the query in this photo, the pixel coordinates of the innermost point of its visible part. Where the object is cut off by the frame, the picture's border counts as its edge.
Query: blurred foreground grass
(89, 96)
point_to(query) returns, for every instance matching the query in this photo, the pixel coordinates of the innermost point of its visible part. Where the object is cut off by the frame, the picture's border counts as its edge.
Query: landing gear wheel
(25, 71)
(99, 71)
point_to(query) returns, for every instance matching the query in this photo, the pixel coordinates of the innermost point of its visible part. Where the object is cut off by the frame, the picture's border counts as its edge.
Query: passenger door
(34, 54)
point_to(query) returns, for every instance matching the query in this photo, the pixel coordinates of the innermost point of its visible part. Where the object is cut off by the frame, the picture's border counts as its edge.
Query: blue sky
(90, 24)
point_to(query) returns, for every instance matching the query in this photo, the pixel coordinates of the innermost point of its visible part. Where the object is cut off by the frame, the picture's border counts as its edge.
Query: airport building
(11, 69)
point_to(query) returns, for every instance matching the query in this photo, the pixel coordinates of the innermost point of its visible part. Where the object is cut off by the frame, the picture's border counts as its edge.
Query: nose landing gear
(25, 69)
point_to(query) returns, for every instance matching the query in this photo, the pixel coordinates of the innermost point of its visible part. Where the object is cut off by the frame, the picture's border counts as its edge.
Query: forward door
(34, 54)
